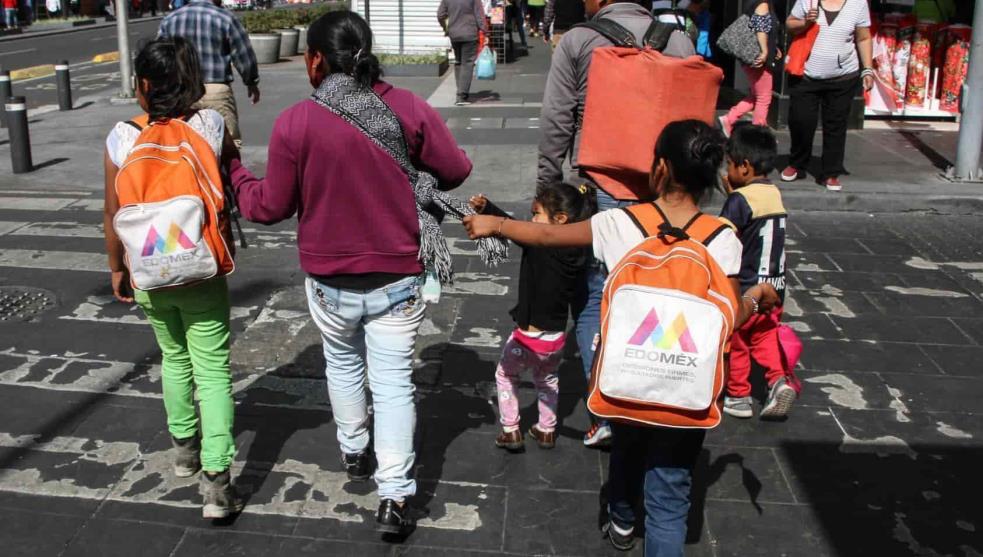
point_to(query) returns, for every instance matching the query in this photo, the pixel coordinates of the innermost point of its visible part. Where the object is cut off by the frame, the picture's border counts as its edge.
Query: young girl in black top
(547, 280)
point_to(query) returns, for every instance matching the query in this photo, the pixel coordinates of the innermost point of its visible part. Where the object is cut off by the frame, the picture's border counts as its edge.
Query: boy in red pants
(754, 209)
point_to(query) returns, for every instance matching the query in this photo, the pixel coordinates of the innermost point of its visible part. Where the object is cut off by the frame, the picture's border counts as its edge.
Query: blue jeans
(371, 334)
(10, 17)
(587, 307)
(659, 461)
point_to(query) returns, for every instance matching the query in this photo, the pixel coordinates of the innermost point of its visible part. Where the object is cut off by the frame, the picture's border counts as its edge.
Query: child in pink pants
(547, 284)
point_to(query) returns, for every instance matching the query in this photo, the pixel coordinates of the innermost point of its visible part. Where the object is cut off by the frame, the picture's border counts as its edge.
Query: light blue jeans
(371, 334)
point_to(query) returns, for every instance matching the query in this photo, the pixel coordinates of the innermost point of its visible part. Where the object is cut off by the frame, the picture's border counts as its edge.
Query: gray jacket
(464, 19)
(566, 85)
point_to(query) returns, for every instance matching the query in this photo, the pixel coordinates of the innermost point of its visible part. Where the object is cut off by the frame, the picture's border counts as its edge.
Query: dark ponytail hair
(344, 39)
(173, 71)
(693, 152)
(577, 202)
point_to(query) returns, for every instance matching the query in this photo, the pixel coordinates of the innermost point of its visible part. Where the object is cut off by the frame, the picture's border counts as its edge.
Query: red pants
(757, 339)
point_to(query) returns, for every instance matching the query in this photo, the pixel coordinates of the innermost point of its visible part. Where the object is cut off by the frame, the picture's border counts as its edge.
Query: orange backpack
(667, 315)
(171, 206)
(632, 94)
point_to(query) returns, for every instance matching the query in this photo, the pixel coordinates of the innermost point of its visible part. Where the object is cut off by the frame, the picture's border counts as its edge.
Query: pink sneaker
(833, 184)
(791, 174)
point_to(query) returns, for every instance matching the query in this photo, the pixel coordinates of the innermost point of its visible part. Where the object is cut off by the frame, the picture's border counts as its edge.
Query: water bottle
(431, 287)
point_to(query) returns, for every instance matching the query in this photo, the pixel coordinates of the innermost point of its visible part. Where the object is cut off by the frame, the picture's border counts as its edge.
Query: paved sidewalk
(880, 455)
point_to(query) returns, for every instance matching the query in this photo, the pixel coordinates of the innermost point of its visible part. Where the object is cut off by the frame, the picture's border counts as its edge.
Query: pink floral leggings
(517, 358)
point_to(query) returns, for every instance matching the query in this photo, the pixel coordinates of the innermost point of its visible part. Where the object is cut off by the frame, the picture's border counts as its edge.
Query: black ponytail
(344, 39)
(577, 202)
(694, 151)
(173, 72)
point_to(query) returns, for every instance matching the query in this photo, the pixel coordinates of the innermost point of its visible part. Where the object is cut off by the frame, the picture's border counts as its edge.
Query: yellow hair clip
(583, 189)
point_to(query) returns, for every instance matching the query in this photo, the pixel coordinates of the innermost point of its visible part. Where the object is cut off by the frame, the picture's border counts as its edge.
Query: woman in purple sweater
(359, 238)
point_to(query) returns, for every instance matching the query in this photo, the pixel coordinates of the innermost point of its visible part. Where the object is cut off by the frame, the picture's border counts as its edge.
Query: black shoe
(619, 539)
(357, 466)
(393, 518)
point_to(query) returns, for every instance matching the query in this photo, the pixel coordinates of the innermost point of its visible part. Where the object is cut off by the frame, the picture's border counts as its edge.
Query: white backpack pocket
(164, 243)
(661, 347)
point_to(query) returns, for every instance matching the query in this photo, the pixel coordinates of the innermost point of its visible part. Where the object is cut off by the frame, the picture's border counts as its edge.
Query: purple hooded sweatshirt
(354, 204)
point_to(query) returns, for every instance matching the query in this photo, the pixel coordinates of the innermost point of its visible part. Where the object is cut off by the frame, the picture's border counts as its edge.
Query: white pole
(123, 38)
(971, 122)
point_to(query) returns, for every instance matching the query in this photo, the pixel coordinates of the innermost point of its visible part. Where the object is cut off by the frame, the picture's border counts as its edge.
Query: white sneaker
(780, 399)
(598, 435)
(739, 407)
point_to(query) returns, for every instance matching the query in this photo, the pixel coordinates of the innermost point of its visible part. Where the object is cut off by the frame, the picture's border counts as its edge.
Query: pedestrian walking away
(461, 21)
(221, 42)
(764, 24)
(190, 319)
(755, 210)
(364, 275)
(654, 462)
(547, 284)
(10, 13)
(560, 17)
(840, 61)
(563, 110)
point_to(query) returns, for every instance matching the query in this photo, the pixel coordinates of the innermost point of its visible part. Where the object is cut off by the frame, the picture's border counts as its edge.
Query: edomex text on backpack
(171, 204)
(632, 93)
(667, 315)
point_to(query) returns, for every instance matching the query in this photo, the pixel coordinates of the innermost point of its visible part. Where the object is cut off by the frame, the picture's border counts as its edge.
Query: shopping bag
(799, 51)
(485, 69)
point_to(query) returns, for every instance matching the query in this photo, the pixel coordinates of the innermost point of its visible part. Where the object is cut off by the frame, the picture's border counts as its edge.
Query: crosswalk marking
(54, 260)
(37, 203)
(142, 380)
(303, 489)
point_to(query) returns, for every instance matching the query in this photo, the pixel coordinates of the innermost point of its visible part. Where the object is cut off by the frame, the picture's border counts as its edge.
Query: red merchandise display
(920, 66)
(882, 97)
(956, 66)
(901, 58)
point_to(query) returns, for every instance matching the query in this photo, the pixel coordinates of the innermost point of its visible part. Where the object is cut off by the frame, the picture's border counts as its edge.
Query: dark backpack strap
(658, 34)
(636, 222)
(611, 31)
(134, 124)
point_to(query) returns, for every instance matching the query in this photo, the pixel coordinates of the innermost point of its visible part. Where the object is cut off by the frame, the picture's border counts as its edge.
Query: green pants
(192, 328)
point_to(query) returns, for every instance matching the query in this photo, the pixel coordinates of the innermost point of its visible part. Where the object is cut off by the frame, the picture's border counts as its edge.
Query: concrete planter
(301, 39)
(266, 46)
(416, 70)
(288, 42)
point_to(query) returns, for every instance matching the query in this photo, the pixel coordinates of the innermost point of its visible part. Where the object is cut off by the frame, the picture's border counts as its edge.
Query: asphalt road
(78, 48)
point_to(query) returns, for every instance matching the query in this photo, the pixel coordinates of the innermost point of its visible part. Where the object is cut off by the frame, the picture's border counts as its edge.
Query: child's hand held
(482, 226)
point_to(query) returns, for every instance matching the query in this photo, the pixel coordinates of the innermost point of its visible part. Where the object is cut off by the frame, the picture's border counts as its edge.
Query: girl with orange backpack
(655, 447)
(170, 247)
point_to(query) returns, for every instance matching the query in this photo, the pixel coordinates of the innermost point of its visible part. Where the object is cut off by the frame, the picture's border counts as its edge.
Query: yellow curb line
(106, 57)
(32, 72)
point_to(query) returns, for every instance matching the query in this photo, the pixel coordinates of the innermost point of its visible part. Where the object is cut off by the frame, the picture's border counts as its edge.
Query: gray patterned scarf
(365, 110)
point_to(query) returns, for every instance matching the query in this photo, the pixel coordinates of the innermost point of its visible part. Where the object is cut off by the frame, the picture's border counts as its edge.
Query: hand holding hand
(483, 226)
(121, 286)
(766, 295)
(478, 203)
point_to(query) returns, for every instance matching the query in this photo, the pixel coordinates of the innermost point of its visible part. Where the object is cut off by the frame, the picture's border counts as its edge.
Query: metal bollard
(64, 81)
(20, 139)
(5, 93)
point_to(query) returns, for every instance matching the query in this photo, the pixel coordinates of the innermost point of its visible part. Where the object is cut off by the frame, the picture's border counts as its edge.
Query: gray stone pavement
(880, 455)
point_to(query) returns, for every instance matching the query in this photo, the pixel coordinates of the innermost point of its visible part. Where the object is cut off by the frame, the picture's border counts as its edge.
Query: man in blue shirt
(221, 42)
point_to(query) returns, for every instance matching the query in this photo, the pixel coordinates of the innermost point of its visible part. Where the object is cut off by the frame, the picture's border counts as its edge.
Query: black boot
(394, 518)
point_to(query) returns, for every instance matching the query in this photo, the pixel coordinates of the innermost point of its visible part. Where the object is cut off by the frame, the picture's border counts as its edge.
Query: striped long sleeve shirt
(219, 37)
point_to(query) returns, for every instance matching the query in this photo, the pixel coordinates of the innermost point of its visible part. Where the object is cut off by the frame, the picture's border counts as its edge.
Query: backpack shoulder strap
(705, 228)
(647, 217)
(614, 32)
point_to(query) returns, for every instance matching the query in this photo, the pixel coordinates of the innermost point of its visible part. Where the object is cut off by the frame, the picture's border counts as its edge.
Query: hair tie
(358, 55)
